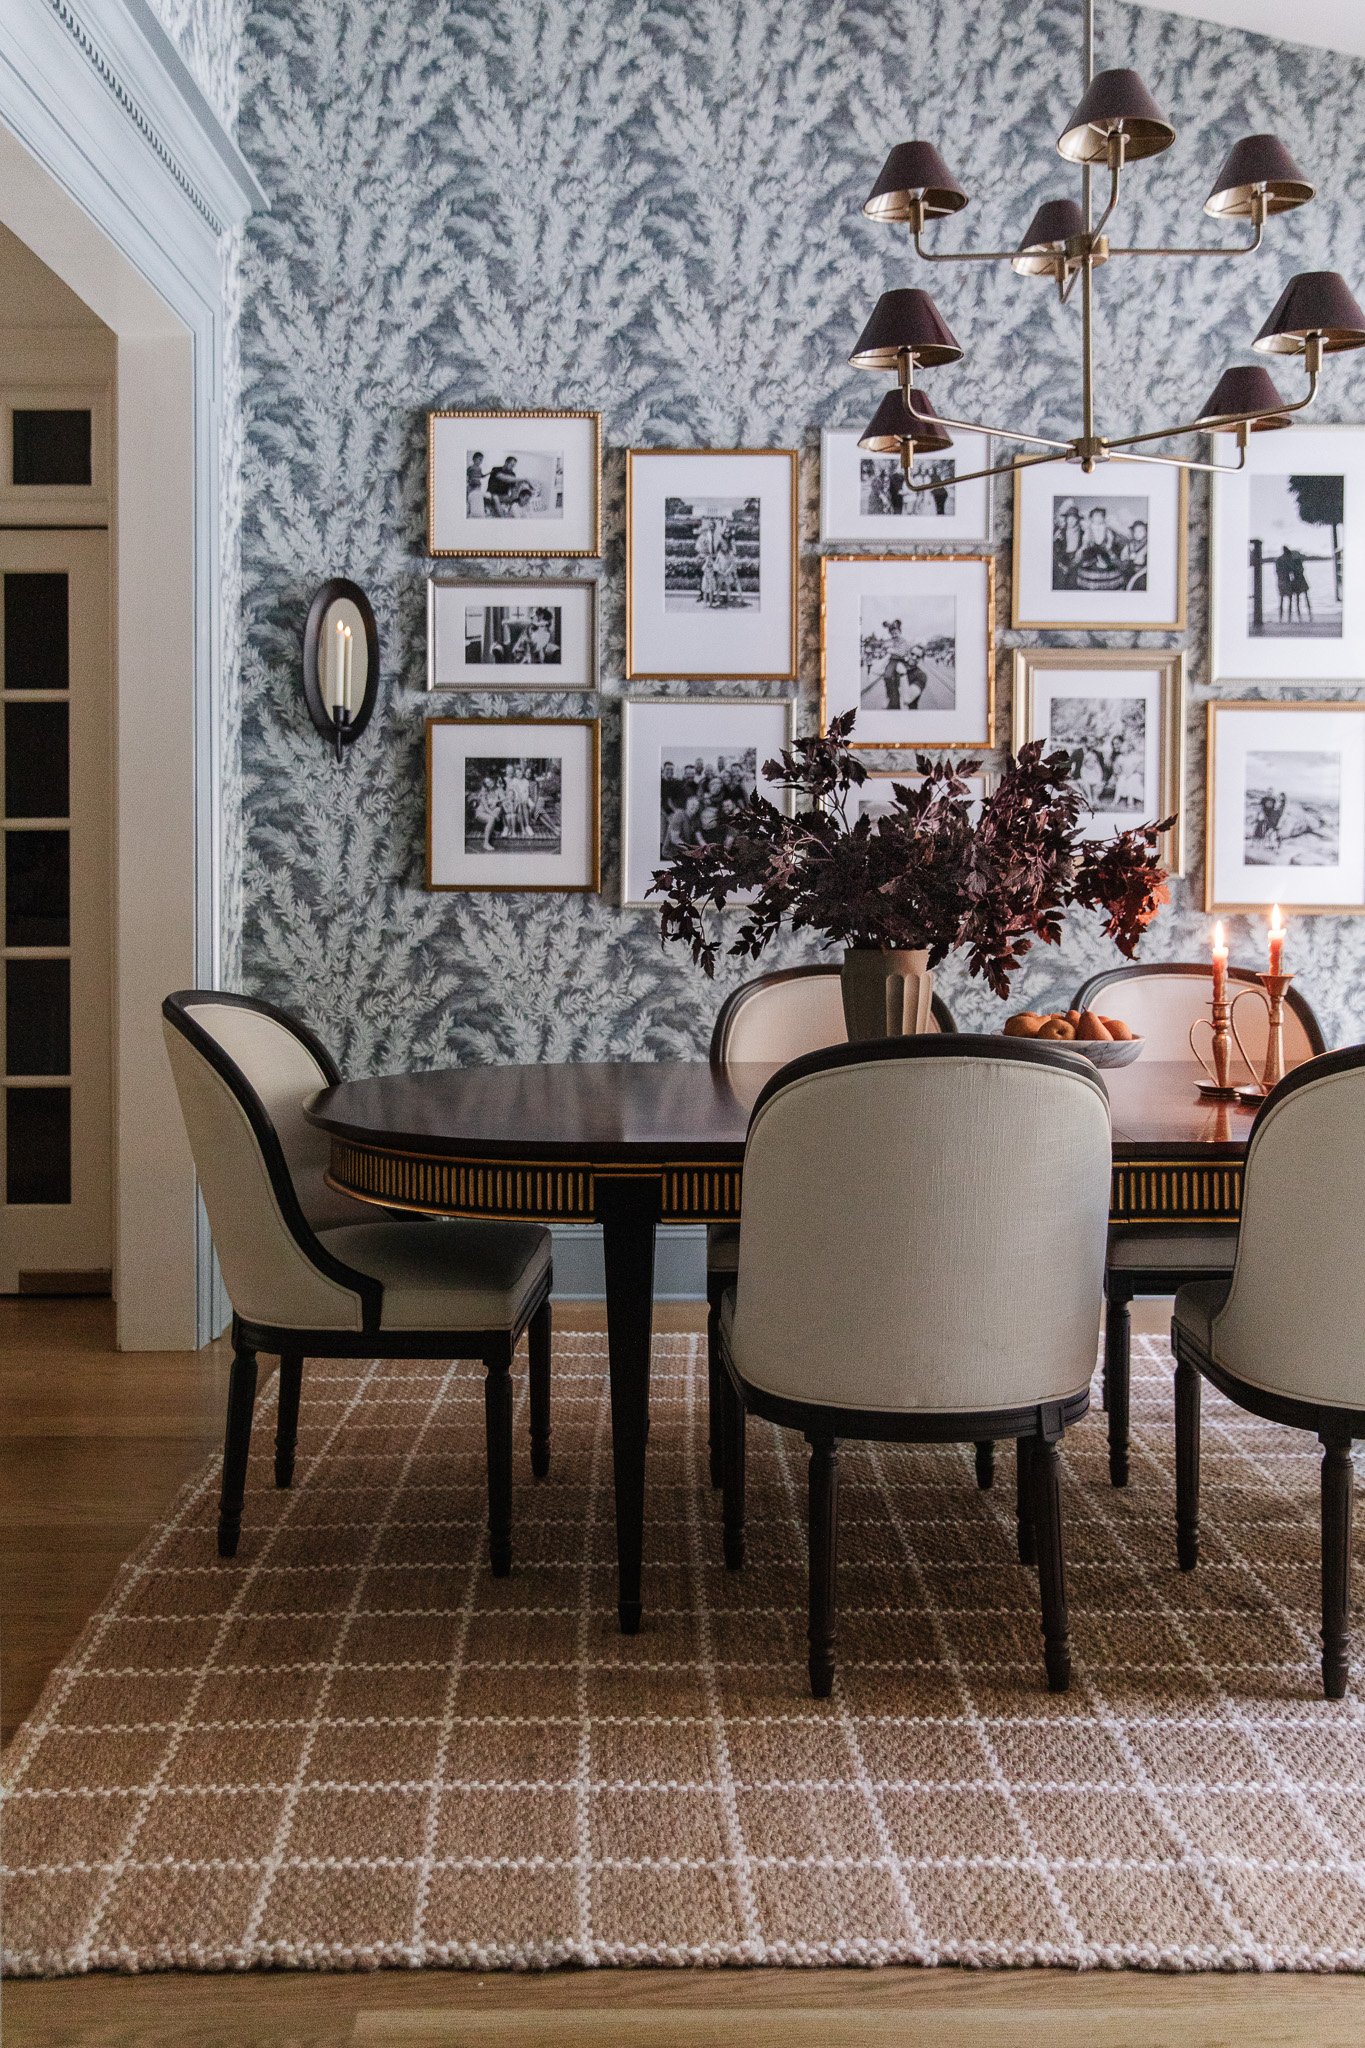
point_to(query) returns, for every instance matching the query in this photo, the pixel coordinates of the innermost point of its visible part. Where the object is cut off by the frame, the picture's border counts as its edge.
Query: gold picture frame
(473, 533)
(1168, 663)
(448, 857)
(908, 566)
(1352, 829)
(708, 670)
(1124, 615)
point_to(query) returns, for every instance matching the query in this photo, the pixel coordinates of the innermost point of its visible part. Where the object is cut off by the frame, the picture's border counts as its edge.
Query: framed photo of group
(514, 803)
(514, 483)
(688, 766)
(1120, 714)
(908, 642)
(1285, 820)
(1108, 552)
(864, 496)
(711, 564)
(487, 634)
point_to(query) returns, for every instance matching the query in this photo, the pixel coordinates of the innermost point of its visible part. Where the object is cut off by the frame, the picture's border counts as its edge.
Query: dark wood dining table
(629, 1146)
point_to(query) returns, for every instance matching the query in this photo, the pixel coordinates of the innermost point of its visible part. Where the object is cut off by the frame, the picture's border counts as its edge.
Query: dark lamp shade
(1315, 302)
(905, 319)
(891, 425)
(1115, 102)
(1243, 389)
(1045, 237)
(914, 170)
(1257, 164)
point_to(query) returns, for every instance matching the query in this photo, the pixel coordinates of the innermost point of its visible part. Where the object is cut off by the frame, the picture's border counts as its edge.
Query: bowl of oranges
(1105, 1041)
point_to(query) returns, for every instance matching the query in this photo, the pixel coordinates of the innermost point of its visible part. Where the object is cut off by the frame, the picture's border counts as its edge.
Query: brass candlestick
(1272, 993)
(1218, 1088)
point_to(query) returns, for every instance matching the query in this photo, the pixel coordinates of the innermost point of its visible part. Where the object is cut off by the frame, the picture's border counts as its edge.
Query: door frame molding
(117, 172)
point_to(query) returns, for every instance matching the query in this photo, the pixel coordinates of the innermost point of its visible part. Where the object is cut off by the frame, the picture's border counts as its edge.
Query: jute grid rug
(352, 1747)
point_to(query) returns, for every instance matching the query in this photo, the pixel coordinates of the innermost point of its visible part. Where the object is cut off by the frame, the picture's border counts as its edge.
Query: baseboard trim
(679, 1261)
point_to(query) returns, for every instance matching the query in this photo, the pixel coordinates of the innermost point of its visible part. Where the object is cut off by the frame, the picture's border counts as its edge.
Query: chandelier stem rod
(1088, 351)
(1088, 67)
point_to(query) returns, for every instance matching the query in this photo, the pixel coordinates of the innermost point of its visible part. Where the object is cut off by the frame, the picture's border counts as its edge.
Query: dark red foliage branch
(926, 874)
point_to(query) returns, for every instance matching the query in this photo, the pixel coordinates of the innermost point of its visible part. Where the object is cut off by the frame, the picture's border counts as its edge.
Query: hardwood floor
(94, 1445)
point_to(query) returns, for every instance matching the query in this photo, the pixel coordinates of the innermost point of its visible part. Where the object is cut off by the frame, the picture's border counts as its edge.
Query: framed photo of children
(688, 767)
(711, 564)
(485, 634)
(909, 644)
(514, 483)
(866, 497)
(514, 803)
(1285, 817)
(1108, 550)
(1120, 714)
(1288, 554)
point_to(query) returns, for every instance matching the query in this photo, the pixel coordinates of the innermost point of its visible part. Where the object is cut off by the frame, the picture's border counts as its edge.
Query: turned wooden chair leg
(1337, 1491)
(1051, 1565)
(1023, 1505)
(715, 1425)
(1118, 1343)
(985, 1465)
(732, 1418)
(538, 1347)
(1188, 1390)
(824, 1562)
(497, 1410)
(287, 1416)
(236, 1448)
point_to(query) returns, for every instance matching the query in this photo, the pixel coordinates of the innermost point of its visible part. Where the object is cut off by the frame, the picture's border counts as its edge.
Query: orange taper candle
(1276, 941)
(1220, 965)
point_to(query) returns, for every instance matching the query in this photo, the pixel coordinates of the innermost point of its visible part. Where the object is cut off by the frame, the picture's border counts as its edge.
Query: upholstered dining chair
(900, 1280)
(766, 1022)
(312, 1273)
(1282, 1336)
(1160, 1001)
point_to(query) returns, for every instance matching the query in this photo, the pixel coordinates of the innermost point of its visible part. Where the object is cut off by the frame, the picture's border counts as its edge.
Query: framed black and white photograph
(865, 497)
(909, 644)
(688, 767)
(1120, 715)
(1288, 554)
(514, 483)
(486, 635)
(711, 564)
(875, 798)
(513, 803)
(1108, 550)
(1285, 816)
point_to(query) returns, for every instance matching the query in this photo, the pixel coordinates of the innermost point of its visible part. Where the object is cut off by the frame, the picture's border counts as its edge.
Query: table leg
(628, 1211)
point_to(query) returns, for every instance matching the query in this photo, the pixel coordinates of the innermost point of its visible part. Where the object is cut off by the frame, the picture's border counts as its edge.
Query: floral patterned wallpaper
(654, 210)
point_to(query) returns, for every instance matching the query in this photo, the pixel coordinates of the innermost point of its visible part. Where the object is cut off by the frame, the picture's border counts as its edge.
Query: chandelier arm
(1115, 174)
(1187, 462)
(964, 255)
(971, 476)
(1236, 249)
(1004, 433)
(1224, 419)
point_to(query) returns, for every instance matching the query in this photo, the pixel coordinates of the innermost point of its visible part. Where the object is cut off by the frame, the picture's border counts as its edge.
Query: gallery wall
(654, 211)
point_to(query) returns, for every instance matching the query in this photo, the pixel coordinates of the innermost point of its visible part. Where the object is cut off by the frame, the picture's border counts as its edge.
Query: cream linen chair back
(1161, 1001)
(778, 1017)
(924, 1226)
(1293, 1320)
(275, 1270)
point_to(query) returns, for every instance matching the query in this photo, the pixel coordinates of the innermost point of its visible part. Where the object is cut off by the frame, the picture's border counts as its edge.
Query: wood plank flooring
(94, 1445)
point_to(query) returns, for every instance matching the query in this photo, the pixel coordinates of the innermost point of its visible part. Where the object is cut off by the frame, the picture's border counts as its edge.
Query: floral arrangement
(926, 874)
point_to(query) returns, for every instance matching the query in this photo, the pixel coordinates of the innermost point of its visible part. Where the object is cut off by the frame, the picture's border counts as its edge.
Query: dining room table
(629, 1145)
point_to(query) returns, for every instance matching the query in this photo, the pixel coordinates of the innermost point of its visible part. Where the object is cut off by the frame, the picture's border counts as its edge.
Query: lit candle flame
(1276, 922)
(1219, 942)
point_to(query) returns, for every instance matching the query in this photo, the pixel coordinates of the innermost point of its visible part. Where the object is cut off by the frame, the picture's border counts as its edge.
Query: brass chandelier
(1116, 124)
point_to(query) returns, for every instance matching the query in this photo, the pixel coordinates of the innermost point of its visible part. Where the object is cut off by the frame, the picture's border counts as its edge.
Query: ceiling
(1328, 24)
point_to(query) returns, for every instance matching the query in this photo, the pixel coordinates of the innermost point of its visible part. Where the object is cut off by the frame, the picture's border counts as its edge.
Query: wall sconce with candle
(340, 662)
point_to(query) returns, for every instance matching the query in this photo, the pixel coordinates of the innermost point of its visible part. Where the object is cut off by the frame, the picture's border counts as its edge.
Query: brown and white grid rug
(351, 1746)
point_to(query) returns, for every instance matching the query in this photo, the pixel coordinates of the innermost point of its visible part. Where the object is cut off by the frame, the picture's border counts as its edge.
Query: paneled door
(55, 1177)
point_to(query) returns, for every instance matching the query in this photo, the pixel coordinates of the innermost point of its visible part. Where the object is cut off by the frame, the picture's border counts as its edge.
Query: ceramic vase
(886, 994)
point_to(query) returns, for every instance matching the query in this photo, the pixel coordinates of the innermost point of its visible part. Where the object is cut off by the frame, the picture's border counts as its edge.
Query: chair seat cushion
(1213, 1250)
(447, 1276)
(1197, 1305)
(722, 1247)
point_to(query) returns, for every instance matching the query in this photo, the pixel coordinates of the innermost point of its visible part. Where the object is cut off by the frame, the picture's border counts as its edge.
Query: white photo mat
(1075, 533)
(858, 491)
(1306, 632)
(543, 469)
(521, 636)
(1121, 712)
(681, 731)
(513, 803)
(701, 601)
(1286, 807)
(919, 630)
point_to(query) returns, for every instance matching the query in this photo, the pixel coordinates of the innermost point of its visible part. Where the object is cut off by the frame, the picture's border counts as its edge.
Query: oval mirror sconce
(340, 662)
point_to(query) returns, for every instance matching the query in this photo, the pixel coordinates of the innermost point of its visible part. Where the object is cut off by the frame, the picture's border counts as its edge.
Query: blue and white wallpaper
(654, 210)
